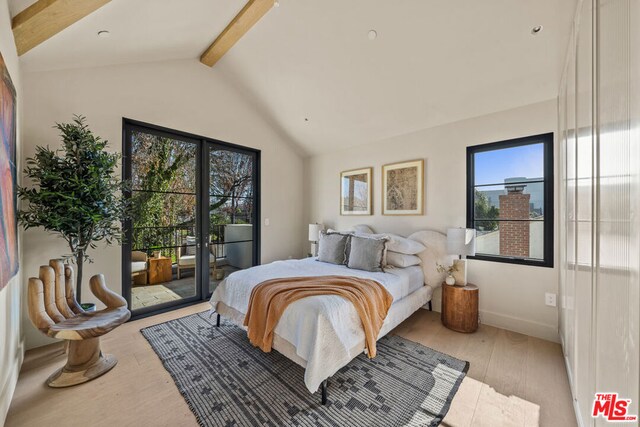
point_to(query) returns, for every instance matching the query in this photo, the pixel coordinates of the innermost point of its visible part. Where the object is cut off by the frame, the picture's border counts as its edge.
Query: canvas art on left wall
(8, 178)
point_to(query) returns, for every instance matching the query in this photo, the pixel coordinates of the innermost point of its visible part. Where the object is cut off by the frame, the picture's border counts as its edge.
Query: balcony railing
(169, 239)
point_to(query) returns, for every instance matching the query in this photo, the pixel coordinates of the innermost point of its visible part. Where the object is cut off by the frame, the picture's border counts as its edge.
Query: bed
(324, 333)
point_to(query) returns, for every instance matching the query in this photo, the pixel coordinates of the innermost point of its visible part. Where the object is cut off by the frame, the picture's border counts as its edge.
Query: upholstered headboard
(436, 252)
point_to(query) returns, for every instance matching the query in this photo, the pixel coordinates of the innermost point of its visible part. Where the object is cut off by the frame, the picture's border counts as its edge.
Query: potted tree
(76, 194)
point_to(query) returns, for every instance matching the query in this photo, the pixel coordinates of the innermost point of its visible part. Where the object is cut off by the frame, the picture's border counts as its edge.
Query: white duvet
(323, 329)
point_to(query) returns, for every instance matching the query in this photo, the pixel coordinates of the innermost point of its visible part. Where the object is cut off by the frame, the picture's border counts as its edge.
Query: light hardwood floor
(513, 380)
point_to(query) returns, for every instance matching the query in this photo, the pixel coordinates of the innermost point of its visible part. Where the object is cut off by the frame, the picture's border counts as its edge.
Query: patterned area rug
(228, 382)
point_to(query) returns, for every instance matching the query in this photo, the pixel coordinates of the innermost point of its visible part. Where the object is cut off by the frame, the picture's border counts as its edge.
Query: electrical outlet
(550, 299)
(267, 222)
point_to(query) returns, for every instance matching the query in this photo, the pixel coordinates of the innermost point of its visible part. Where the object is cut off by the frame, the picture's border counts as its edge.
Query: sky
(492, 167)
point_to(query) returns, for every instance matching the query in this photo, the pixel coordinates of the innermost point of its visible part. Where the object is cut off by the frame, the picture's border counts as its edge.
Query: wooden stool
(160, 270)
(54, 310)
(460, 307)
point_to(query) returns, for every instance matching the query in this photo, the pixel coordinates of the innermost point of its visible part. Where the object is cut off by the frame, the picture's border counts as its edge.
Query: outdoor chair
(187, 257)
(139, 268)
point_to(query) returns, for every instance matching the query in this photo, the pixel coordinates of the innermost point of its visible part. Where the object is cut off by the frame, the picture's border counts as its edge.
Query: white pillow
(332, 231)
(435, 253)
(399, 244)
(402, 260)
(363, 229)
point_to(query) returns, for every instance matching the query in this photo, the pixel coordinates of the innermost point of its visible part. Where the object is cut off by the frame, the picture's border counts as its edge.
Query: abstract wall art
(355, 192)
(403, 188)
(8, 178)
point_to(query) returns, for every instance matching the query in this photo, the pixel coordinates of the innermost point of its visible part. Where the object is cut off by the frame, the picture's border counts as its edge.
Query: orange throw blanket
(270, 298)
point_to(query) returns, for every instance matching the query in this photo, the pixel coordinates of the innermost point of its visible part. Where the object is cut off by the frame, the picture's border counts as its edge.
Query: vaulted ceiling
(310, 67)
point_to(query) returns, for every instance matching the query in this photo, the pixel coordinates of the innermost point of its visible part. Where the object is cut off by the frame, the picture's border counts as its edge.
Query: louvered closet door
(599, 123)
(562, 206)
(584, 169)
(570, 222)
(617, 256)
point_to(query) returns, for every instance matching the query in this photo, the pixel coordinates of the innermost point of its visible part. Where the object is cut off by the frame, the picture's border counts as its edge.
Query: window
(510, 200)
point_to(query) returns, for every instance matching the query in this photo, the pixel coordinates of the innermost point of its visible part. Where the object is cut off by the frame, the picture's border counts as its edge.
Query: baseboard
(522, 326)
(514, 324)
(10, 382)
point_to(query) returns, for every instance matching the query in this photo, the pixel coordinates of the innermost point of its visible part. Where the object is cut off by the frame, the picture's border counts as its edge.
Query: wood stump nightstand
(460, 307)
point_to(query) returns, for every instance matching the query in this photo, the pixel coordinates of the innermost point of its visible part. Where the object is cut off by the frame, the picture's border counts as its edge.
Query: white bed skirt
(398, 313)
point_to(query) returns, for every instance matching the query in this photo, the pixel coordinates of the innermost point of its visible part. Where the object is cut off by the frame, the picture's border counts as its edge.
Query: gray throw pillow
(332, 247)
(366, 253)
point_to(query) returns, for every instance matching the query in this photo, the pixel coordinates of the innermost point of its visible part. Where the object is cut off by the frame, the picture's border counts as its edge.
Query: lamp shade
(461, 241)
(314, 232)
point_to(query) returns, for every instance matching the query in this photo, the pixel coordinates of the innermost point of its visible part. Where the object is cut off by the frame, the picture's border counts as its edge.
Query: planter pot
(450, 280)
(88, 306)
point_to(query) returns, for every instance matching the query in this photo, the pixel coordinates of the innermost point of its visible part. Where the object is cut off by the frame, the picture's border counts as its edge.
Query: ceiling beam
(238, 27)
(46, 18)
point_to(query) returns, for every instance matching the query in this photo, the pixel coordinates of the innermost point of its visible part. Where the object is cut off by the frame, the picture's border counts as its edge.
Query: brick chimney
(514, 235)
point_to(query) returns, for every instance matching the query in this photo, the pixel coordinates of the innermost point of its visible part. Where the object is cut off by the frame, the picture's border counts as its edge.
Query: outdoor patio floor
(150, 295)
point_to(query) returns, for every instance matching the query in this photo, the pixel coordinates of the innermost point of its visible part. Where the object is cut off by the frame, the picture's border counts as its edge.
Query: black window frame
(548, 181)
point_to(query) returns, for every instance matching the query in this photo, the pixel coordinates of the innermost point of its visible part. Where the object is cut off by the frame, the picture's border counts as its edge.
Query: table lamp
(461, 242)
(314, 235)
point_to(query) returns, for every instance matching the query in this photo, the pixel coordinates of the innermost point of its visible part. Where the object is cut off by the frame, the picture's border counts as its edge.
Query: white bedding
(323, 329)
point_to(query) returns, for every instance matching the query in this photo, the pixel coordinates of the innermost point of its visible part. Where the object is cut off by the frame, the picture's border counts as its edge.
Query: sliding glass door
(194, 207)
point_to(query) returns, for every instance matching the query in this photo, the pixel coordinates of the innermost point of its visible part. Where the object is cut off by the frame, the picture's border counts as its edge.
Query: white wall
(511, 296)
(183, 95)
(11, 339)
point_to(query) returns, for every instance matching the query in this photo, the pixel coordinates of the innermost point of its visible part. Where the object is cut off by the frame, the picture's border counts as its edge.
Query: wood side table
(160, 270)
(460, 307)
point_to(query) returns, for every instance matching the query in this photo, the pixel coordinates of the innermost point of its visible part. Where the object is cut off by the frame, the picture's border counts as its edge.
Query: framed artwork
(403, 188)
(355, 192)
(8, 183)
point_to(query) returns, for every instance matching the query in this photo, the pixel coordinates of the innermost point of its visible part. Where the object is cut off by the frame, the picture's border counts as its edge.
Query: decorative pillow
(363, 229)
(332, 231)
(396, 259)
(435, 253)
(366, 253)
(332, 247)
(191, 245)
(398, 244)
